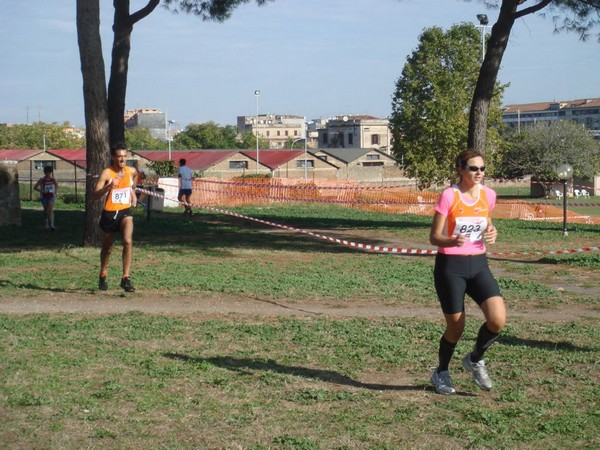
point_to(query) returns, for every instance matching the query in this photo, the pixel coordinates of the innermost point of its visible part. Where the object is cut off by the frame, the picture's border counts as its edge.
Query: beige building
(362, 164)
(356, 132)
(295, 164)
(276, 129)
(585, 112)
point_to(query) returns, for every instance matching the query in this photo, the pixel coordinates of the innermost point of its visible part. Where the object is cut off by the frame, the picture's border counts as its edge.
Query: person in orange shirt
(461, 227)
(116, 182)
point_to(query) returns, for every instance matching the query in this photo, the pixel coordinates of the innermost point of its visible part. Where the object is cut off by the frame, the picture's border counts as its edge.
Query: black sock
(445, 354)
(485, 338)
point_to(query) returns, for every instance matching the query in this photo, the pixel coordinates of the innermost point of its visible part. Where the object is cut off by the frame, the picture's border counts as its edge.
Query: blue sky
(313, 58)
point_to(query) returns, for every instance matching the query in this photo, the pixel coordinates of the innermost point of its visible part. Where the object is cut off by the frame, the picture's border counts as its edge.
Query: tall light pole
(565, 173)
(169, 137)
(292, 148)
(257, 94)
(483, 24)
(305, 126)
(293, 142)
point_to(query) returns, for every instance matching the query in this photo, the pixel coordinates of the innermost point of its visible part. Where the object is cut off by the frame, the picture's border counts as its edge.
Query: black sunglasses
(475, 168)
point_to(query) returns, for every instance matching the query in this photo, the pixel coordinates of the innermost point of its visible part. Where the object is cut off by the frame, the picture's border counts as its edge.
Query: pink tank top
(467, 218)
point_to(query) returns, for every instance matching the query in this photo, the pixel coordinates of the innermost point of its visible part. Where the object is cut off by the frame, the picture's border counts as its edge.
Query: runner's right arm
(103, 185)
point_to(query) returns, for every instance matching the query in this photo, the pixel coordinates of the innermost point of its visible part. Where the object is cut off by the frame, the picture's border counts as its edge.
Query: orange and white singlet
(467, 218)
(119, 195)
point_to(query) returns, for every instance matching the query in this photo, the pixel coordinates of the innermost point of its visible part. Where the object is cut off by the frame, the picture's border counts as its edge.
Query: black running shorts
(457, 275)
(110, 221)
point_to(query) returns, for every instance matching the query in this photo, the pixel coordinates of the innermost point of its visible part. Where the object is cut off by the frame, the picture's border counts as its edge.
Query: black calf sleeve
(445, 354)
(485, 338)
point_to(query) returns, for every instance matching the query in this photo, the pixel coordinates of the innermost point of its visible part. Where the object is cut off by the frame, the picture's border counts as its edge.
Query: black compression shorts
(110, 221)
(457, 275)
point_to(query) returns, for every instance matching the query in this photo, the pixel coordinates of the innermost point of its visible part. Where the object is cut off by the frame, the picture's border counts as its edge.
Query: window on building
(373, 156)
(374, 139)
(295, 132)
(305, 163)
(39, 165)
(325, 138)
(287, 133)
(278, 133)
(268, 133)
(238, 164)
(372, 163)
(350, 139)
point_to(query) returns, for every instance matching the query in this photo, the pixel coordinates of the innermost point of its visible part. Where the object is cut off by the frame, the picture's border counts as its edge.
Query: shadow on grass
(544, 345)
(203, 231)
(245, 365)
(35, 287)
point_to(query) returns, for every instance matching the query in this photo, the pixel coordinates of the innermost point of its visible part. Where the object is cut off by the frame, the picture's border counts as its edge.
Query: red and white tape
(361, 246)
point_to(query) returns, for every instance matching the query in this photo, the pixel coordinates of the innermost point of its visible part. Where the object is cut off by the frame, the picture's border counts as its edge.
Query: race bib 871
(121, 196)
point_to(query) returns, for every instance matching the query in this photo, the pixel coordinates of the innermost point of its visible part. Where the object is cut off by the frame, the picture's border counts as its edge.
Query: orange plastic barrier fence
(404, 198)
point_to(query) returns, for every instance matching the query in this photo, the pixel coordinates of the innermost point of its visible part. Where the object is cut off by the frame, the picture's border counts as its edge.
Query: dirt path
(220, 306)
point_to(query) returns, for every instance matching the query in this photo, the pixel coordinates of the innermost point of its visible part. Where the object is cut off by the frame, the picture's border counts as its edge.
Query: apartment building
(152, 119)
(356, 132)
(585, 112)
(276, 129)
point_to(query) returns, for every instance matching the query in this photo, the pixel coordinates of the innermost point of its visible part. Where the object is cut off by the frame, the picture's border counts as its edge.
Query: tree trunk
(96, 116)
(484, 89)
(117, 84)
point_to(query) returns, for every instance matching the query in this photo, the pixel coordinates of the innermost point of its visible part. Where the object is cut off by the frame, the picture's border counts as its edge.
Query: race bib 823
(470, 227)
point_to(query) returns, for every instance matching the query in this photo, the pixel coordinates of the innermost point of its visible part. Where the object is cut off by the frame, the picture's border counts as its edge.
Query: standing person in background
(185, 186)
(461, 225)
(117, 182)
(48, 189)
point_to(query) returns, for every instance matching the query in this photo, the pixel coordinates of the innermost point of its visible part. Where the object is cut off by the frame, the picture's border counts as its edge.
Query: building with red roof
(236, 163)
(293, 164)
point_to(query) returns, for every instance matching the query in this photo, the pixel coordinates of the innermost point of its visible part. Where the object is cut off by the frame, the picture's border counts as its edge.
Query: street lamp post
(257, 94)
(305, 149)
(293, 142)
(169, 137)
(565, 173)
(483, 24)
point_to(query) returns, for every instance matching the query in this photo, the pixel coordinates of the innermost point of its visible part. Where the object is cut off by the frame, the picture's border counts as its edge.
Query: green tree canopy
(429, 120)
(138, 138)
(210, 135)
(40, 135)
(538, 150)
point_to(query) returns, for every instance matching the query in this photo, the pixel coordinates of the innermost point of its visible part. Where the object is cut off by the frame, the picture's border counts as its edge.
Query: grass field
(305, 381)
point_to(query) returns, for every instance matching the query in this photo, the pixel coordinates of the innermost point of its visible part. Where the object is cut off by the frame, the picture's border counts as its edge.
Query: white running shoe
(478, 371)
(442, 382)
